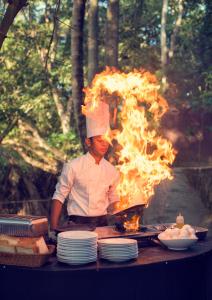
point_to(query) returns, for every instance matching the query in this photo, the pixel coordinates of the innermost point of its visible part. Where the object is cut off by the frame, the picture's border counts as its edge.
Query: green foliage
(140, 24)
(206, 96)
(3, 162)
(68, 143)
(24, 87)
(10, 157)
(190, 67)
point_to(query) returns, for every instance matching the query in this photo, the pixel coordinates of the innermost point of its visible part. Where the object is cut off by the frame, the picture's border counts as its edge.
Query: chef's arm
(55, 213)
(63, 188)
(113, 196)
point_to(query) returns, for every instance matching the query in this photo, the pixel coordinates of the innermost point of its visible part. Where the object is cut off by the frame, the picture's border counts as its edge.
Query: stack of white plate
(118, 249)
(77, 247)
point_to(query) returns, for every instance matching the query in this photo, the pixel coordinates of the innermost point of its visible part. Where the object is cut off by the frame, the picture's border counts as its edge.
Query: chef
(88, 182)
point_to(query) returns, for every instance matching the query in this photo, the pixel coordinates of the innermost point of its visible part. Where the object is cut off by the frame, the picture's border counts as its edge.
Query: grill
(144, 235)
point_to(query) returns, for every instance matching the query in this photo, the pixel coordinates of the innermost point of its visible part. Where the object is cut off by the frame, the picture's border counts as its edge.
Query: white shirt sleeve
(113, 195)
(65, 182)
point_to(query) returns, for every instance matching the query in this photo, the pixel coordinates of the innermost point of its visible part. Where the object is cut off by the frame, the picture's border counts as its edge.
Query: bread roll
(23, 245)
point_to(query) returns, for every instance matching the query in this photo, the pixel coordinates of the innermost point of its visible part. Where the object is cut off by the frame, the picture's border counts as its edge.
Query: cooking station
(157, 273)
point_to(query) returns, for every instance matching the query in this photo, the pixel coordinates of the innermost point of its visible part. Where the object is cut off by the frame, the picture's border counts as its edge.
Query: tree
(35, 93)
(77, 63)
(64, 111)
(35, 81)
(167, 53)
(111, 42)
(13, 8)
(92, 39)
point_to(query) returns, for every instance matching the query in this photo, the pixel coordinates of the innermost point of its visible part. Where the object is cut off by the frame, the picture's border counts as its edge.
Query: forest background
(52, 49)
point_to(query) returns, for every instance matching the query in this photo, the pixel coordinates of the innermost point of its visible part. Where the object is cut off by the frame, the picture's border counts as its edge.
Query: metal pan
(135, 209)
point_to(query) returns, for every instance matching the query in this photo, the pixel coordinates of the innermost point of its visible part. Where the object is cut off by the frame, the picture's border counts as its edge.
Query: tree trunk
(92, 39)
(168, 53)
(112, 33)
(64, 115)
(77, 63)
(164, 43)
(47, 57)
(176, 28)
(206, 36)
(111, 58)
(12, 10)
(9, 127)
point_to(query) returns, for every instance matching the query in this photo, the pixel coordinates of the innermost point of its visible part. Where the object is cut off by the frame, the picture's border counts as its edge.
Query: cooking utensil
(135, 209)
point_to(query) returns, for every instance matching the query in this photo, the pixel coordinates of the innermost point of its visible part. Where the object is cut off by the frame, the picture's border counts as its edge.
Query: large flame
(144, 157)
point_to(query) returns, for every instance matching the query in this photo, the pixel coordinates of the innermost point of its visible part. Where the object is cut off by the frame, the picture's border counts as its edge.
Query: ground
(174, 197)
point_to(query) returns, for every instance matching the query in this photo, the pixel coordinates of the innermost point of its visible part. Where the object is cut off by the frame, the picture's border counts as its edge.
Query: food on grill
(23, 245)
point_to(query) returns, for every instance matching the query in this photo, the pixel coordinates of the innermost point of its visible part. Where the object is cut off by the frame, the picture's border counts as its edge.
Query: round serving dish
(177, 244)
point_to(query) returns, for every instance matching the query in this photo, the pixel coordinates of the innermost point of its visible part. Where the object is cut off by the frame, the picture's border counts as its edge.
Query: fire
(144, 157)
(132, 224)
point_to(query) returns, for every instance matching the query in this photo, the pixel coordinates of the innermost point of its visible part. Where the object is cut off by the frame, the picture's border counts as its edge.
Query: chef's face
(98, 145)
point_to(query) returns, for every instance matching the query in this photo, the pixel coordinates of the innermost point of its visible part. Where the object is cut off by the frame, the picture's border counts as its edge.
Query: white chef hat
(97, 120)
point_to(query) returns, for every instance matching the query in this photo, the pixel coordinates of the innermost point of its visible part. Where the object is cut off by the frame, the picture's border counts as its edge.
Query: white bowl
(178, 244)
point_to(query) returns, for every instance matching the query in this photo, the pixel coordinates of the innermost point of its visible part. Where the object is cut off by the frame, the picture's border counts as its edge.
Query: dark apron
(94, 221)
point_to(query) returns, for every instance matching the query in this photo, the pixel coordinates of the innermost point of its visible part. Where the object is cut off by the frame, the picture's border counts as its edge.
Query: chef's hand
(52, 236)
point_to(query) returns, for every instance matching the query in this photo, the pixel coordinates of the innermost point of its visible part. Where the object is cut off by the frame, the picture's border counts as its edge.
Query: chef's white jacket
(89, 187)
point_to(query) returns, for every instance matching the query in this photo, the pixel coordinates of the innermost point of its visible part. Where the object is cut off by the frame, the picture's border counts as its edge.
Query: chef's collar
(91, 159)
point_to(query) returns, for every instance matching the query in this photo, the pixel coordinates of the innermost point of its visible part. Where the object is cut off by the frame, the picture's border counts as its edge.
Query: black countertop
(158, 273)
(147, 256)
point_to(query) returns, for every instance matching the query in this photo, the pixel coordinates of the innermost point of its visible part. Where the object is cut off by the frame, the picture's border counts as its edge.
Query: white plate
(77, 253)
(76, 258)
(123, 248)
(79, 244)
(82, 240)
(178, 244)
(119, 252)
(117, 241)
(132, 246)
(87, 250)
(77, 262)
(119, 259)
(116, 249)
(76, 248)
(78, 235)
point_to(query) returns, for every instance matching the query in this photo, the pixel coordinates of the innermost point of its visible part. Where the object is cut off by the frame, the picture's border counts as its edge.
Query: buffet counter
(158, 273)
